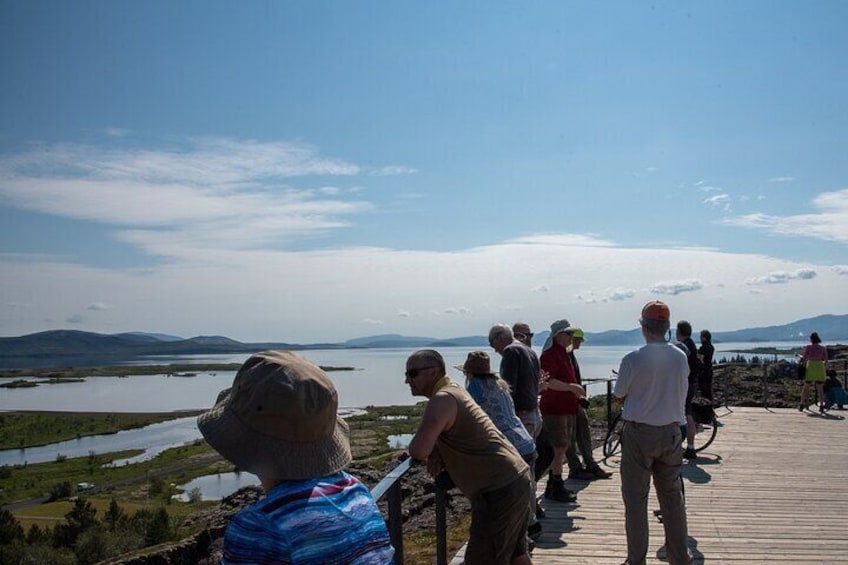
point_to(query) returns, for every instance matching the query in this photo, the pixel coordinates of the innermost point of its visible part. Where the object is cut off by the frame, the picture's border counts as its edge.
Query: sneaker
(534, 531)
(582, 474)
(689, 453)
(599, 473)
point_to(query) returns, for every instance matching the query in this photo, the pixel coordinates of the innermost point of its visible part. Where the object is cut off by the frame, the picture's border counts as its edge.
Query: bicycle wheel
(705, 434)
(613, 440)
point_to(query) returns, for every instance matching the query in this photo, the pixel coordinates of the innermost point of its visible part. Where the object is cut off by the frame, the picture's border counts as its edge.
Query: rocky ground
(775, 385)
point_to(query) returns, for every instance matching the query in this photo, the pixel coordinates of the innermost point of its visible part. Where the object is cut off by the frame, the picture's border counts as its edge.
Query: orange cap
(656, 310)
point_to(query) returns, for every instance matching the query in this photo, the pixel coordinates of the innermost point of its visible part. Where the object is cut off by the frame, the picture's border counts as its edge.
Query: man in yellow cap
(589, 470)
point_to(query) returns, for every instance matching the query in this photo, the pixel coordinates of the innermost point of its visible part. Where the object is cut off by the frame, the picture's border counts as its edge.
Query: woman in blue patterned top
(492, 394)
(279, 421)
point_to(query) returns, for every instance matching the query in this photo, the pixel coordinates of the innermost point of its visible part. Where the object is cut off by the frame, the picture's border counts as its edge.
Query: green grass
(369, 442)
(29, 429)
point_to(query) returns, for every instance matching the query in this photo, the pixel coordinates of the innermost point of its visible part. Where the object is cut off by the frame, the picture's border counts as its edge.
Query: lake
(377, 381)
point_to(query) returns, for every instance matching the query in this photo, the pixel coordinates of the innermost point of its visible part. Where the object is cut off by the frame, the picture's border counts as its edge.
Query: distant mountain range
(57, 348)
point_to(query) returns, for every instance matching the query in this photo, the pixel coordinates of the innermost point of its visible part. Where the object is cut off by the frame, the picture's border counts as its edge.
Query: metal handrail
(389, 488)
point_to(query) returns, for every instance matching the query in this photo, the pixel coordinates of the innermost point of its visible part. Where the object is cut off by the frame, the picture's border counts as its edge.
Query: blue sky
(326, 170)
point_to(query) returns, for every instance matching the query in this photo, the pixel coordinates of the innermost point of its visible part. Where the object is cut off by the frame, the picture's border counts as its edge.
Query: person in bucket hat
(559, 402)
(652, 383)
(492, 393)
(280, 422)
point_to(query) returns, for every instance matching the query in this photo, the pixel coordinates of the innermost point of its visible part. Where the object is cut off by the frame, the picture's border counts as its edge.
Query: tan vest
(476, 454)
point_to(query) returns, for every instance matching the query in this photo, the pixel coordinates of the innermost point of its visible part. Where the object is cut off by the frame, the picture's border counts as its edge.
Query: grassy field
(149, 484)
(369, 442)
(30, 429)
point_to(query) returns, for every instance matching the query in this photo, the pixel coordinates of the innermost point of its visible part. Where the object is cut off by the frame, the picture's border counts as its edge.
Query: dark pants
(582, 444)
(545, 455)
(705, 384)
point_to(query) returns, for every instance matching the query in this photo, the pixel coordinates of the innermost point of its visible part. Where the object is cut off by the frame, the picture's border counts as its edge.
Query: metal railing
(389, 489)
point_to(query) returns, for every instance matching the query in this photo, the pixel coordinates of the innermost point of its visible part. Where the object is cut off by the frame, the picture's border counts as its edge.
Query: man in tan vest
(457, 436)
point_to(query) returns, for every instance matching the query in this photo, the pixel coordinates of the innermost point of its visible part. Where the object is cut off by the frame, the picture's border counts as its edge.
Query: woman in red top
(560, 399)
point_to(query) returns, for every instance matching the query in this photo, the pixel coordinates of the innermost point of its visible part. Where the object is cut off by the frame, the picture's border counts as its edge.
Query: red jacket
(558, 365)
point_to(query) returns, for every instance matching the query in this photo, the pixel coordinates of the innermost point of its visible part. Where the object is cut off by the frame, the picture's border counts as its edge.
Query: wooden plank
(771, 489)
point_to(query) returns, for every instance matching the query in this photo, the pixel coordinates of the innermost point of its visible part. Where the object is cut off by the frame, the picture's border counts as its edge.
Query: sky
(319, 171)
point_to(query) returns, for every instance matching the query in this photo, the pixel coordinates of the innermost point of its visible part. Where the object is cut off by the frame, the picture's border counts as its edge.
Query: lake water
(216, 487)
(378, 380)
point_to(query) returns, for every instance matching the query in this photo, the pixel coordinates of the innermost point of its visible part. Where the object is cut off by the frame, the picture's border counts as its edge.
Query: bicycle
(705, 433)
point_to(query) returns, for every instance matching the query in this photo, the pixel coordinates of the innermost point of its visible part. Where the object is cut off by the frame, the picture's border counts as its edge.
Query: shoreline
(182, 370)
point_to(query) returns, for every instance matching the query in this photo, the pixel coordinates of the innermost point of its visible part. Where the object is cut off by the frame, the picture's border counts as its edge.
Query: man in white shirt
(652, 382)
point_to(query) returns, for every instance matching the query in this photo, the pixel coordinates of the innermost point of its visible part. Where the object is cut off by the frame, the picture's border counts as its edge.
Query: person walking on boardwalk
(456, 435)
(560, 397)
(589, 470)
(279, 421)
(814, 358)
(652, 382)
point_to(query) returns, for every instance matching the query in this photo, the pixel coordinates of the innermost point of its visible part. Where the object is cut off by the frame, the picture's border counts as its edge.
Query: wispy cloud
(564, 240)
(97, 306)
(782, 277)
(722, 200)
(372, 322)
(74, 319)
(708, 188)
(198, 194)
(456, 311)
(392, 170)
(829, 222)
(607, 295)
(840, 269)
(676, 287)
(781, 179)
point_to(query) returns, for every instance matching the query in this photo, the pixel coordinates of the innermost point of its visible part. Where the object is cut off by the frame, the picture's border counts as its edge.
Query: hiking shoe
(558, 492)
(534, 531)
(689, 453)
(540, 512)
(564, 495)
(599, 473)
(582, 474)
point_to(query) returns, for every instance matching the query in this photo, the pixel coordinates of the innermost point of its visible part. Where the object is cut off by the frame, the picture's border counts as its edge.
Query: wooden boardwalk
(773, 487)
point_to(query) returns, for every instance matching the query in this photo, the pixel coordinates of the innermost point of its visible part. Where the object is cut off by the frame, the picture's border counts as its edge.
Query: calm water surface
(377, 380)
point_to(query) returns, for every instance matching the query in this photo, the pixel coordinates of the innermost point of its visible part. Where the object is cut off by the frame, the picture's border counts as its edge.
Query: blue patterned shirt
(330, 520)
(497, 404)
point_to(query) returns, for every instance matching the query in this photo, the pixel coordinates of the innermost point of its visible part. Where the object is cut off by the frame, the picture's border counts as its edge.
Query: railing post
(395, 524)
(609, 404)
(765, 385)
(441, 528)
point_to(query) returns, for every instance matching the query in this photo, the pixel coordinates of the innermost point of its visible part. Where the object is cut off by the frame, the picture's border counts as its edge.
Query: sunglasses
(412, 373)
(520, 334)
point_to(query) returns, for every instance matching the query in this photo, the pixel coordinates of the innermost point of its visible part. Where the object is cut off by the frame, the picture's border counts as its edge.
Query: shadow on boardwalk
(769, 489)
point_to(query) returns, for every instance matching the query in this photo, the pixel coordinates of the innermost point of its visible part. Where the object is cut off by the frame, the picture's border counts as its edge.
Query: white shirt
(653, 380)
